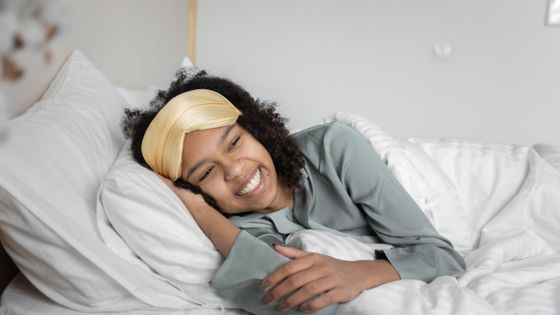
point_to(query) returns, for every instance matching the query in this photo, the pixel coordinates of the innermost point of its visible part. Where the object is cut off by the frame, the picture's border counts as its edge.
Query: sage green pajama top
(347, 189)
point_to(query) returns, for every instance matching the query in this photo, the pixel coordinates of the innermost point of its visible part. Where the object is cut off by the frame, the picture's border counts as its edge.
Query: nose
(232, 169)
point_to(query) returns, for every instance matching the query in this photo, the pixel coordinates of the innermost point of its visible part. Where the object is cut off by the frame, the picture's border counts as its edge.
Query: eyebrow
(199, 163)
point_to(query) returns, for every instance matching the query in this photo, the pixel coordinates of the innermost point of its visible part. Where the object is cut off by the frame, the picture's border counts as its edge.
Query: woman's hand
(190, 199)
(316, 281)
(216, 227)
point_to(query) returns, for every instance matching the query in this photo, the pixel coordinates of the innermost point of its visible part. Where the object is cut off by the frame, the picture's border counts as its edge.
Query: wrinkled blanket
(500, 205)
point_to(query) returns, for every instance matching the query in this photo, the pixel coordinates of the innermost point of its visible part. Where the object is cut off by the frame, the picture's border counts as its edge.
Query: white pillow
(156, 225)
(137, 98)
(335, 245)
(51, 165)
(425, 182)
(487, 175)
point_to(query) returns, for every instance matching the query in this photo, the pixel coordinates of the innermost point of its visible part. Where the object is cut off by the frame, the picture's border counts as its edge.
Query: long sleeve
(349, 190)
(419, 251)
(251, 260)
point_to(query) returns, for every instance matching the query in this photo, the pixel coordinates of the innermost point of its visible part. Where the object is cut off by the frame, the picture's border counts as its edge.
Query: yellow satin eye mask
(162, 145)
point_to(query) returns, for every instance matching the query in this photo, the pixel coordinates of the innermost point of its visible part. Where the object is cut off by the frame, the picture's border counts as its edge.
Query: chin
(254, 207)
(258, 203)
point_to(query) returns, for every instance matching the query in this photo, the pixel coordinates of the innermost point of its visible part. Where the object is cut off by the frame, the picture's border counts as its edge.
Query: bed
(93, 232)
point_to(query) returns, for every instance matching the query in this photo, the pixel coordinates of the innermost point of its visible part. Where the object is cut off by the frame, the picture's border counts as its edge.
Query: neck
(284, 199)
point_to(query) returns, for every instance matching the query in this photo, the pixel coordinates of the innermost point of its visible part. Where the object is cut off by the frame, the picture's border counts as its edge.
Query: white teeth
(252, 184)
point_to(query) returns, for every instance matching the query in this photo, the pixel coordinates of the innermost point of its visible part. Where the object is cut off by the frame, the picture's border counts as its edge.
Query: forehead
(201, 143)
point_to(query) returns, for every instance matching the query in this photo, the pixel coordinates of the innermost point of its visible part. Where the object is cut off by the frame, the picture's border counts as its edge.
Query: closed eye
(234, 142)
(206, 173)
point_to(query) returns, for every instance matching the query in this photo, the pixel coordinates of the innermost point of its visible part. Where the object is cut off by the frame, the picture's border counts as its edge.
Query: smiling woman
(236, 168)
(249, 184)
(259, 124)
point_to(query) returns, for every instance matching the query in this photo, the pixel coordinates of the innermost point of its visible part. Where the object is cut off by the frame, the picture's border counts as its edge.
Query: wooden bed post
(191, 30)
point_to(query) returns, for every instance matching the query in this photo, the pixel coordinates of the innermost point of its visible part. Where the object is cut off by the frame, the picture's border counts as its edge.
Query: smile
(253, 186)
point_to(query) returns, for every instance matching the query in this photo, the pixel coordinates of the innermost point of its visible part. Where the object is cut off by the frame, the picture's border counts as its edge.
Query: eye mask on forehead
(162, 146)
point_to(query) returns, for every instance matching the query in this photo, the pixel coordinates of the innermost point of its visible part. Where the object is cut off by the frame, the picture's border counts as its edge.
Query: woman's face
(231, 166)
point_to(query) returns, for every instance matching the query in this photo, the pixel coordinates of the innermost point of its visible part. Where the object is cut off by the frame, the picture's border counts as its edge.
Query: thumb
(290, 252)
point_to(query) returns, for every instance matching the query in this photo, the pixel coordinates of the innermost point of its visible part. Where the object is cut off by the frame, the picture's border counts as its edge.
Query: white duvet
(509, 196)
(499, 204)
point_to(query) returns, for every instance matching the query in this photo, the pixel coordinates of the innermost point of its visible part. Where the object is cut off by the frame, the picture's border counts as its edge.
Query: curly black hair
(258, 117)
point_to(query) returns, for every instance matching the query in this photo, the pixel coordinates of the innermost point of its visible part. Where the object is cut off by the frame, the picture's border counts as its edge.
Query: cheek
(217, 190)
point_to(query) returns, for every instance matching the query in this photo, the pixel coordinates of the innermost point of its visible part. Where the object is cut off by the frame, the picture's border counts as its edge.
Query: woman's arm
(328, 279)
(221, 231)
(419, 252)
(248, 260)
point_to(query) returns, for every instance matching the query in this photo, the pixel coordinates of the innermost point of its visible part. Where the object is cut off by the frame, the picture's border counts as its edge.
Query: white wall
(136, 43)
(375, 58)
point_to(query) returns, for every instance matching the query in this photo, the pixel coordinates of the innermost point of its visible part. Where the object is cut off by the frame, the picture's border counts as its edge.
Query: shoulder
(331, 132)
(334, 139)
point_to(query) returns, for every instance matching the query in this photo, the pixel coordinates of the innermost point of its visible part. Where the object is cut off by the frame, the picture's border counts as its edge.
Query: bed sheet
(21, 298)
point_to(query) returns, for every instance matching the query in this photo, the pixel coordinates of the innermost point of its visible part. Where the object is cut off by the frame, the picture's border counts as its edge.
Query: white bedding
(513, 265)
(21, 298)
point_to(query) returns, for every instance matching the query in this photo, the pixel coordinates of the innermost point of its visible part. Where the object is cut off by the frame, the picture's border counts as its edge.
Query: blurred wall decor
(553, 13)
(24, 25)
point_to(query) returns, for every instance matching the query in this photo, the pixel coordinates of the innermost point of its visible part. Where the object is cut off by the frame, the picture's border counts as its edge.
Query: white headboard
(136, 43)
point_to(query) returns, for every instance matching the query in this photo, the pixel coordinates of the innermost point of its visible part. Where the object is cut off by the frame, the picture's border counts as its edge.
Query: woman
(248, 184)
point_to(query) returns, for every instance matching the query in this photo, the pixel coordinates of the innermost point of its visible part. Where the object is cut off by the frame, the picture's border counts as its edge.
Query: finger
(286, 270)
(307, 292)
(291, 284)
(290, 252)
(323, 300)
